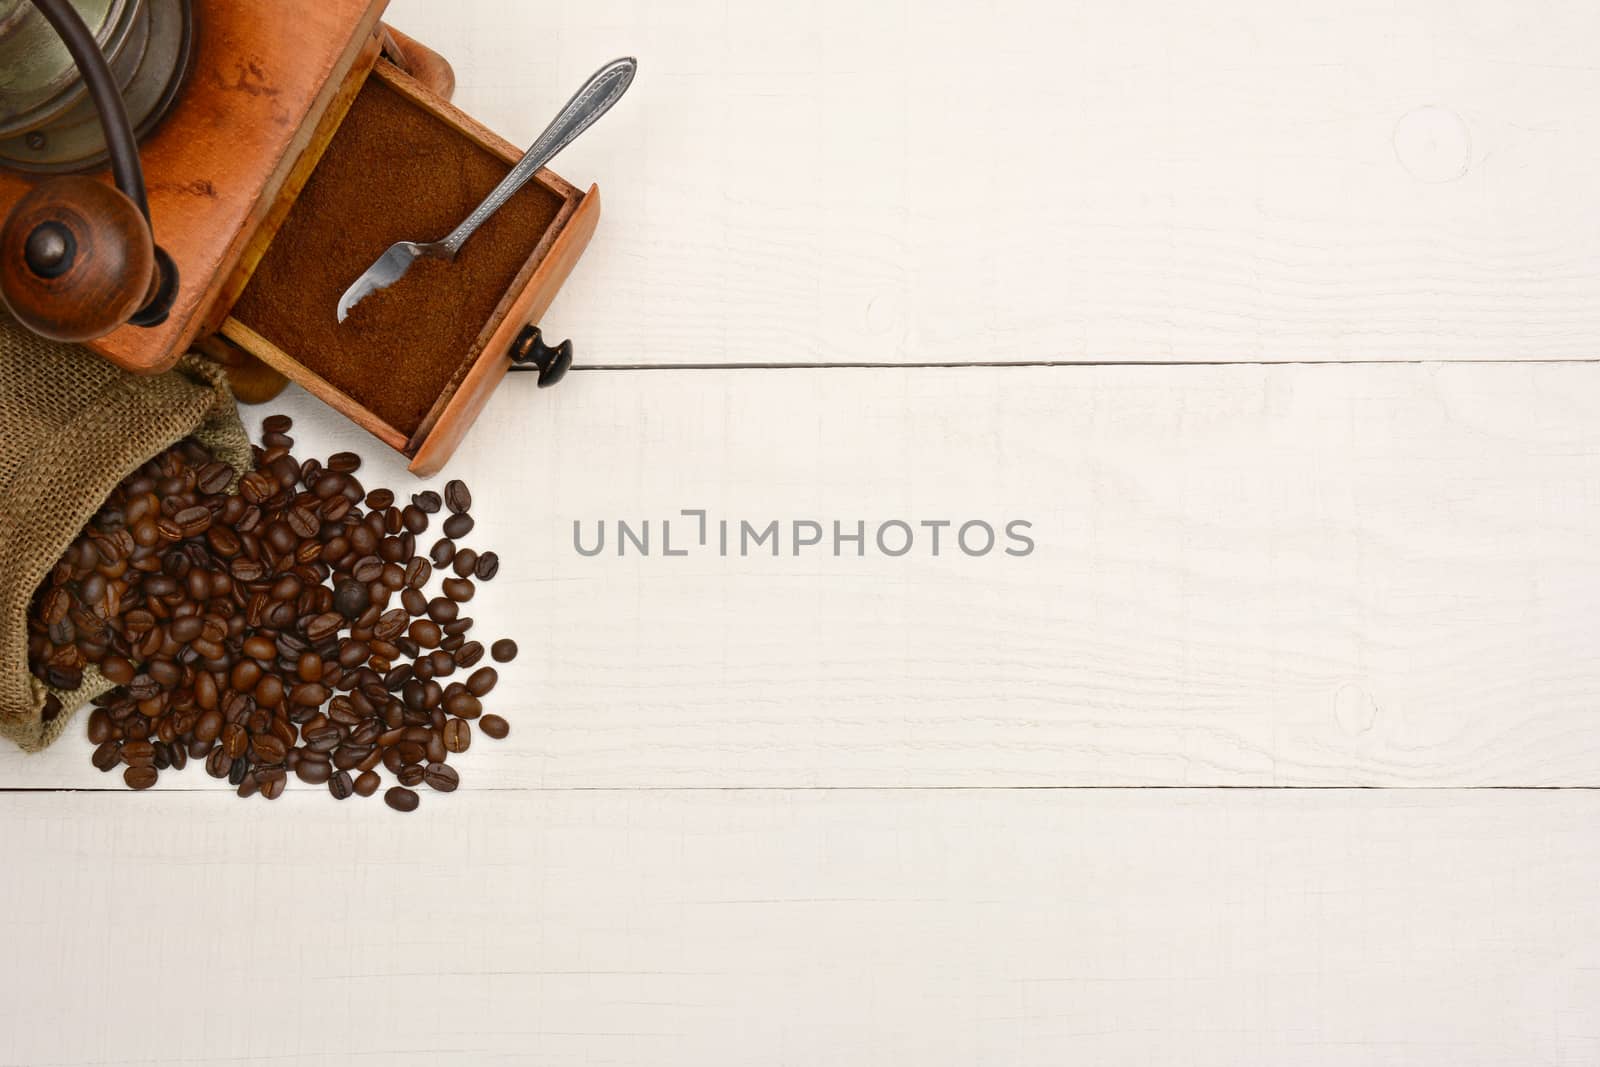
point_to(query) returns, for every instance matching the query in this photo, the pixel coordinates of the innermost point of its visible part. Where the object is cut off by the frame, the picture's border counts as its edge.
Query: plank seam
(904, 789)
(987, 364)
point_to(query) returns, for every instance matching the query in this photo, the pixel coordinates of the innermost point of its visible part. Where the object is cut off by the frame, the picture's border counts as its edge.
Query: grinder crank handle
(588, 104)
(77, 258)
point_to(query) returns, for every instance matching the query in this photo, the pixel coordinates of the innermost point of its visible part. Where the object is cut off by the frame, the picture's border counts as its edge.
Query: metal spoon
(593, 100)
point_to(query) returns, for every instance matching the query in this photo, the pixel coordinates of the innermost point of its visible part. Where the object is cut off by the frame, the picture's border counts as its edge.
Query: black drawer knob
(530, 353)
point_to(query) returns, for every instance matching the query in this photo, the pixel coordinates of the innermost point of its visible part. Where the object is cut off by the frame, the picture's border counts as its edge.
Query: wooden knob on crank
(76, 259)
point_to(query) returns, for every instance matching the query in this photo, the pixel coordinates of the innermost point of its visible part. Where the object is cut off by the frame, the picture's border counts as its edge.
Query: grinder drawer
(415, 363)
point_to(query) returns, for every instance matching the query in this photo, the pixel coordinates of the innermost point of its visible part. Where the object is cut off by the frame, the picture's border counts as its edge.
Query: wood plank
(1030, 180)
(1206, 928)
(1244, 575)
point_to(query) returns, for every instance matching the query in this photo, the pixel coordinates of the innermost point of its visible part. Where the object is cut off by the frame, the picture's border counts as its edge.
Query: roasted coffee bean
(303, 522)
(314, 772)
(441, 777)
(458, 526)
(322, 627)
(268, 748)
(117, 670)
(144, 687)
(107, 755)
(269, 691)
(208, 726)
(503, 650)
(255, 631)
(482, 680)
(391, 624)
(56, 603)
(418, 571)
(139, 753)
(246, 673)
(257, 487)
(425, 632)
(413, 601)
(322, 738)
(437, 752)
(276, 424)
(350, 598)
(142, 777)
(488, 566)
(214, 478)
(310, 694)
(444, 550)
(350, 755)
(235, 740)
(164, 673)
(494, 726)
(401, 799)
(411, 775)
(456, 496)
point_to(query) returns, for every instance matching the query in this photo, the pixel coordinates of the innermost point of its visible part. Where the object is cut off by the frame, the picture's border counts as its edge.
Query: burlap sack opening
(71, 427)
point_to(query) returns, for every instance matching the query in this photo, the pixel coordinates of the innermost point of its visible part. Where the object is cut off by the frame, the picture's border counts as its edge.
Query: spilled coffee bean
(252, 632)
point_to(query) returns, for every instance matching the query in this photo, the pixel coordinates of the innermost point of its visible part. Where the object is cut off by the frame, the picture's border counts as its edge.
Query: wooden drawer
(413, 364)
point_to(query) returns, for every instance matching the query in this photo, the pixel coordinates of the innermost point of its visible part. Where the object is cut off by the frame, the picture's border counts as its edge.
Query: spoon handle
(602, 90)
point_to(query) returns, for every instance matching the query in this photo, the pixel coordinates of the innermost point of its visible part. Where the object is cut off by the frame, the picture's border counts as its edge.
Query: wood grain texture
(1032, 180)
(1202, 929)
(104, 269)
(1376, 575)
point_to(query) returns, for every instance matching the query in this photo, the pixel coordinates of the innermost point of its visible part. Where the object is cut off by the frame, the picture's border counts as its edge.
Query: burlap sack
(71, 427)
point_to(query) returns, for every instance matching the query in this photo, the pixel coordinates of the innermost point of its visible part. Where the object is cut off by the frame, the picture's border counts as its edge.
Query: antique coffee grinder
(211, 175)
(80, 82)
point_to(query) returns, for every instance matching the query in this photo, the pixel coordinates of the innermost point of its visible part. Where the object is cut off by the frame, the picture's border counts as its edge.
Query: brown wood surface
(421, 62)
(253, 381)
(299, 173)
(461, 410)
(264, 75)
(313, 383)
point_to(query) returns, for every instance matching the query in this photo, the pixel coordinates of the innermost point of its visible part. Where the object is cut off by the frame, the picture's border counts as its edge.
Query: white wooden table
(1283, 745)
